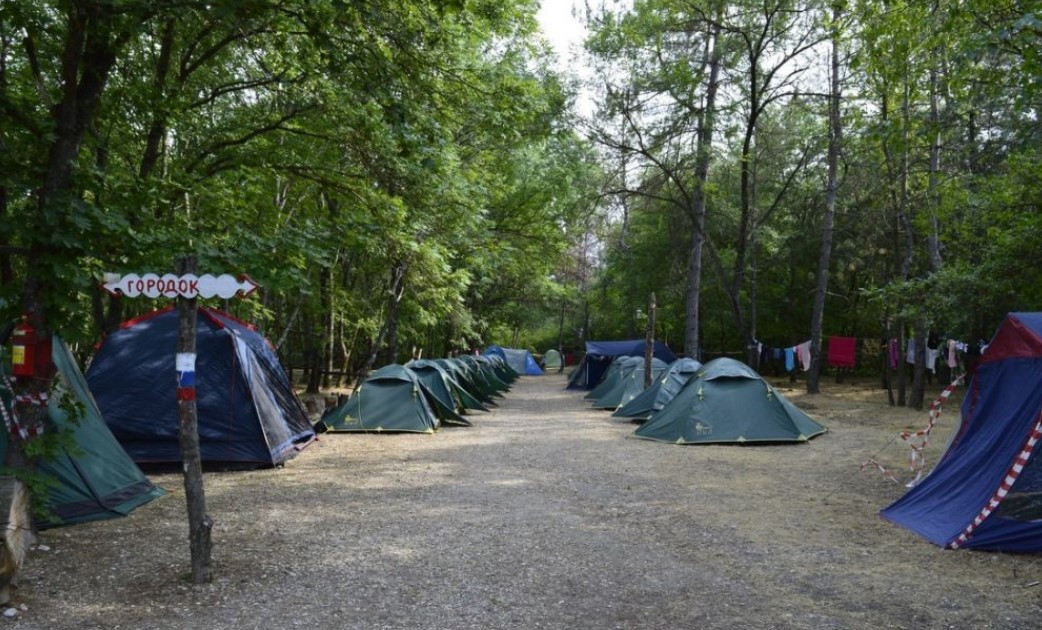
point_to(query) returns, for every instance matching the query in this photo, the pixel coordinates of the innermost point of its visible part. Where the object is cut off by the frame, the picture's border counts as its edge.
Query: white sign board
(170, 285)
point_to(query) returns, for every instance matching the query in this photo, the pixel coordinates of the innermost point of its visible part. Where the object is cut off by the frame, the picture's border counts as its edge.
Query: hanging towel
(842, 352)
(931, 359)
(893, 354)
(803, 351)
(910, 353)
(952, 362)
(790, 359)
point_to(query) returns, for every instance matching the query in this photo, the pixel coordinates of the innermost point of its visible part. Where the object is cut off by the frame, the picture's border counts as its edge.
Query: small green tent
(611, 376)
(463, 399)
(392, 399)
(661, 391)
(483, 375)
(94, 478)
(438, 382)
(552, 360)
(629, 382)
(727, 401)
(462, 376)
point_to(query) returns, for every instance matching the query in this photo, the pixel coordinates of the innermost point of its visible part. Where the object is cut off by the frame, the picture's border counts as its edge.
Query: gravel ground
(542, 515)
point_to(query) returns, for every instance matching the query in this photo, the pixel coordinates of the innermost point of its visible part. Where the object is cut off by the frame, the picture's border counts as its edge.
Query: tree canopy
(412, 176)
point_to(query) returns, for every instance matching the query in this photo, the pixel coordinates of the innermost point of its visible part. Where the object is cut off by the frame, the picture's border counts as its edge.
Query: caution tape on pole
(917, 441)
(10, 416)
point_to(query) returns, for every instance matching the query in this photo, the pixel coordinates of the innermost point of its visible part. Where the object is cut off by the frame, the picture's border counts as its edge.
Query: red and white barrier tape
(1011, 477)
(38, 399)
(883, 469)
(14, 427)
(918, 440)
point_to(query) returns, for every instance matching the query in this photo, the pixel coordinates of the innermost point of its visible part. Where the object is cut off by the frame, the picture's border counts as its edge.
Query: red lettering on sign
(139, 284)
(193, 286)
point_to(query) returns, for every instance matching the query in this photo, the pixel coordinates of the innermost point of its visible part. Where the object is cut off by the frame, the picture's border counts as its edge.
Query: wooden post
(199, 523)
(649, 341)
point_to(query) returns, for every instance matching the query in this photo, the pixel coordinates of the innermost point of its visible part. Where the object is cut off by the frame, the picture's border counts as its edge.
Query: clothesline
(841, 352)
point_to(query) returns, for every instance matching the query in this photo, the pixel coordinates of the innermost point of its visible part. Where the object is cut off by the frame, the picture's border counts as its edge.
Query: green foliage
(314, 146)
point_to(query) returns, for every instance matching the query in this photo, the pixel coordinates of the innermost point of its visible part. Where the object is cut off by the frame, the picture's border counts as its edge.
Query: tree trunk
(902, 363)
(692, 325)
(199, 523)
(395, 291)
(831, 189)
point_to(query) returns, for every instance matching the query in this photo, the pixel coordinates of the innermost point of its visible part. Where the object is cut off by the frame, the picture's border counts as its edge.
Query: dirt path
(543, 515)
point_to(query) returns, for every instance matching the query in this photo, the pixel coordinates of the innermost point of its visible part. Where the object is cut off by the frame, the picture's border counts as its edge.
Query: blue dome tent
(248, 411)
(986, 490)
(521, 361)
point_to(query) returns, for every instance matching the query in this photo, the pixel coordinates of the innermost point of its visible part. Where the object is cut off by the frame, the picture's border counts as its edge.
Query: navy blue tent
(599, 355)
(248, 411)
(521, 361)
(986, 490)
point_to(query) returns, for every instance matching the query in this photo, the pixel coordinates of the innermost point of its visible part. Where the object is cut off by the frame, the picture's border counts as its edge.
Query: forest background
(413, 175)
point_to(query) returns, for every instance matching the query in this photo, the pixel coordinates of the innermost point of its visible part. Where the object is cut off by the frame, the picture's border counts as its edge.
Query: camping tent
(986, 490)
(463, 376)
(248, 411)
(599, 355)
(552, 360)
(392, 398)
(609, 379)
(447, 398)
(628, 383)
(519, 360)
(727, 401)
(93, 477)
(661, 391)
(425, 368)
(484, 375)
(499, 367)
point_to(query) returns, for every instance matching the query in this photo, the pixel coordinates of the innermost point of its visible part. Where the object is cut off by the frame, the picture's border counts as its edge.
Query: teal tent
(93, 478)
(611, 377)
(446, 402)
(728, 402)
(629, 383)
(463, 375)
(661, 391)
(392, 399)
(484, 376)
(552, 360)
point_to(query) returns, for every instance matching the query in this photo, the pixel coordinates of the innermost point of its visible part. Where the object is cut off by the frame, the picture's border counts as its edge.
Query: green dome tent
(464, 401)
(728, 402)
(94, 478)
(629, 382)
(484, 375)
(665, 387)
(438, 382)
(611, 377)
(462, 376)
(552, 360)
(392, 399)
